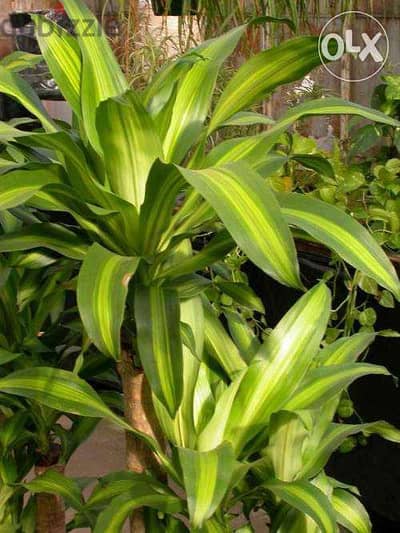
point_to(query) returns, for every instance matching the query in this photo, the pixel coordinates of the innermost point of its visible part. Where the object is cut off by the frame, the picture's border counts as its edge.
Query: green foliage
(362, 177)
(137, 180)
(36, 331)
(277, 459)
(109, 182)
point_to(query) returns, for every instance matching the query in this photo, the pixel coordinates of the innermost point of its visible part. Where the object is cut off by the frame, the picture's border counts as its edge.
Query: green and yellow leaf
(102, 289)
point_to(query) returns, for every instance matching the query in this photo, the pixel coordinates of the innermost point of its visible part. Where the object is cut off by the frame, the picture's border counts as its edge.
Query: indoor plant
(120, 178)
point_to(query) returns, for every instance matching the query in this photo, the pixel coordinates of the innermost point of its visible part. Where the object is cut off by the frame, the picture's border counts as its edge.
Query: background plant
(35, 332)
(362, 180)
(39, 328)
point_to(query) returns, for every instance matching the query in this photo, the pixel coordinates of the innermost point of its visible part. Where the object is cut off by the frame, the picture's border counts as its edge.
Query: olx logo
(370, 49)
(346, 45)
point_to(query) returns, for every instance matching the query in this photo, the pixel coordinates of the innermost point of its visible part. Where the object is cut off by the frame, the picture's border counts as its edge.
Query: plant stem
(50, 510)
(139, 413)
(351, 305)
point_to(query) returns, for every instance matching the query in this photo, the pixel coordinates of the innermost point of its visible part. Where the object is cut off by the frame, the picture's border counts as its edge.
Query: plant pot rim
(175, 10)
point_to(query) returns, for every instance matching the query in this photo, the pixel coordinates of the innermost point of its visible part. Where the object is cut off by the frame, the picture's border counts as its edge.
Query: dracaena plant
(120, 172)
(258, 432)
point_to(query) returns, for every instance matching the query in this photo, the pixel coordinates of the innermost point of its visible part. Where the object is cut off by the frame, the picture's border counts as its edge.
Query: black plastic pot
(10, 109)
(20, 19)
(174, 8)
(24, 35)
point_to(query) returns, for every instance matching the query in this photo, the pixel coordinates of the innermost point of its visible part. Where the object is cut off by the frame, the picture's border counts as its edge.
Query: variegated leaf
(102, 290)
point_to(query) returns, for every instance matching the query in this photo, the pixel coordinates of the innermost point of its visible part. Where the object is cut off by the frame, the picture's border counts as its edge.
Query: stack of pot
(5, 40)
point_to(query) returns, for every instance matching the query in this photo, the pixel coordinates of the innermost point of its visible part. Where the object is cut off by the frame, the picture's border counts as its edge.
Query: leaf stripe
(336, 434)
(101, 77)
(323, 383)
(206, 476)
(157, 315)
(278, 367)
(18, 89)
(263, 73)
(18, 186)
(345, 350)
(63, 57)
(308, 499)
(339, 231)
(45, 235)
(248, 209)
(350, 512)
(194, 94)
(102, 290)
